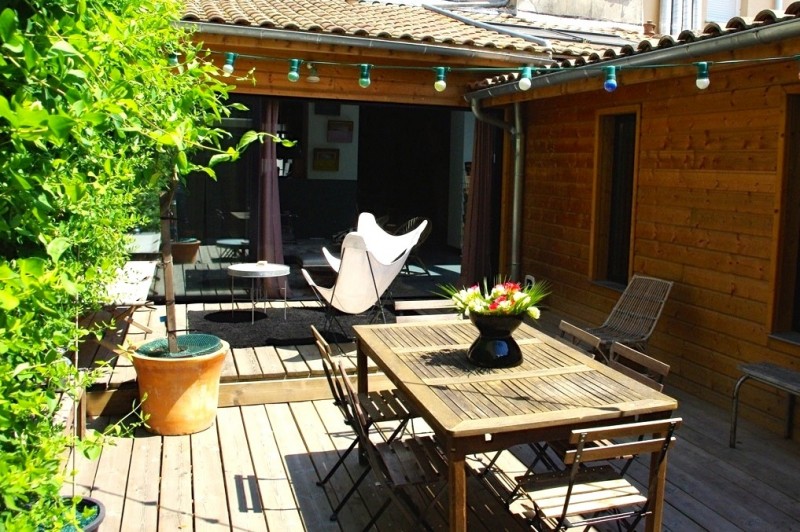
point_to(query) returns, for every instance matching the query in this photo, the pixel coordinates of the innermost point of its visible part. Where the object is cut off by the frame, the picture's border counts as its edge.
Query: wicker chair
(633, 318)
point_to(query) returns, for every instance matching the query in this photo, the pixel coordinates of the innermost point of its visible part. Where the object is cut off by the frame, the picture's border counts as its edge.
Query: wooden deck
(278, 432)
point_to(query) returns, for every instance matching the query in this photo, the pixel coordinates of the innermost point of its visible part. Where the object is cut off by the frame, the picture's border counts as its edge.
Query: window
(721, 11)
(787, 289)
(616, 163)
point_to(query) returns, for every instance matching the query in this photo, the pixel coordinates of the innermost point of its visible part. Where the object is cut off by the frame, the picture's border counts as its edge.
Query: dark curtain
(476, 260)
(269, 243)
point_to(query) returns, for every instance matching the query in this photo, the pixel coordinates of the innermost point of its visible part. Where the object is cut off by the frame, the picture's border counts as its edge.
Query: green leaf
(65, 48)
(8, 301)
(60, 125)
(57, 247)
(8, 24)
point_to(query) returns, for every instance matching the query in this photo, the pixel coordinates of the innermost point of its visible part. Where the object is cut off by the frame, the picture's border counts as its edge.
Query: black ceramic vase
(495, 347)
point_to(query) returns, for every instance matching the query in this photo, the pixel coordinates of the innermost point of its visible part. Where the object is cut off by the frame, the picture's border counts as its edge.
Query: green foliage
(94, 127)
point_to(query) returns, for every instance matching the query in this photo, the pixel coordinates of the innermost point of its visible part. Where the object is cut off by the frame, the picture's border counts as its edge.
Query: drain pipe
(517, 133)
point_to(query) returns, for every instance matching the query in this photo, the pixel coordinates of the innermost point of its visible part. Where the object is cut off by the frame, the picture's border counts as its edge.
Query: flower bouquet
(497, 312)
(505, 298)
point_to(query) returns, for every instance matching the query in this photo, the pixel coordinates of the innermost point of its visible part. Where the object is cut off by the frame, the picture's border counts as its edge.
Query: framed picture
(326, 160)
(340, 131)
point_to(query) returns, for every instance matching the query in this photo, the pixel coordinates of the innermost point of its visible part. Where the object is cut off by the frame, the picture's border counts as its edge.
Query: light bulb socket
(294, 66)
(441, 82)
(313, 76)
(230, 59)
(173, 58)
(363, 79)
(525, 78)
(702, 82)
(610, 83)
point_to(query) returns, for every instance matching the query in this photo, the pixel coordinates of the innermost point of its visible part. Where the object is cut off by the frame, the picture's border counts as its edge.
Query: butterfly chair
(634, 317)
(379, 405)
(399, 464)
(384, 246)
(410, 226)
(360, 281)
(590, 492)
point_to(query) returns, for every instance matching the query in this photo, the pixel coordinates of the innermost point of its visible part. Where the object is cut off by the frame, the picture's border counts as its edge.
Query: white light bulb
(524, 84)
(702, 83)
(440, 85)
(227, 70)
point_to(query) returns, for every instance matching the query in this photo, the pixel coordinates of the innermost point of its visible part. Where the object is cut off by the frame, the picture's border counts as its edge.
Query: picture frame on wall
(340, 131)
(325, 160)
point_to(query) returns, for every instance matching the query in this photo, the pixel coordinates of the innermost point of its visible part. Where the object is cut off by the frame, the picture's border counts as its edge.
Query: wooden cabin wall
(706, 210)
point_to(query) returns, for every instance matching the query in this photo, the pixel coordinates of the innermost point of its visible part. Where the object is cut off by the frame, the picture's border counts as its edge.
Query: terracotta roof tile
(368, 19)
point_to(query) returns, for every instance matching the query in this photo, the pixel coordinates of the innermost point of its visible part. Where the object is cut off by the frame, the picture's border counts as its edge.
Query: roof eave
(326, 39)
(685, 52)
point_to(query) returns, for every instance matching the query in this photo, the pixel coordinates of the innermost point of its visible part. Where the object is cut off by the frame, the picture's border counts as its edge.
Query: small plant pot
(179, 395)
(96, 512)
(185, 251)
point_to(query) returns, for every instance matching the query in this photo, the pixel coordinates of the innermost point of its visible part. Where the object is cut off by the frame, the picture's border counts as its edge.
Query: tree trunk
(166, 256)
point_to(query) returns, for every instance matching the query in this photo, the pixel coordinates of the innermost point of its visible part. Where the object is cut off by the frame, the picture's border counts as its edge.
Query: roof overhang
(686, 52)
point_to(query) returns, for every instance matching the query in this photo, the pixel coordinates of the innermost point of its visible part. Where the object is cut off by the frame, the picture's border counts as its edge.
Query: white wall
(462, 132)
(348, 151)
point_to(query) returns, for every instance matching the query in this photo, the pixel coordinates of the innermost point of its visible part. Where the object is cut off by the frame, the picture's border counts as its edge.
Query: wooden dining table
(555, 390)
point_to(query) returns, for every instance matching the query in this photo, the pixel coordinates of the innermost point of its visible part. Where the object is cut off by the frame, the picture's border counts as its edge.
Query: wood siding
(706, 213)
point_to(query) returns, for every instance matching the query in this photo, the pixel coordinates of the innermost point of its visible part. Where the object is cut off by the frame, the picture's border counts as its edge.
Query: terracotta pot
(495, 347)
(179, 395)
(185, 252)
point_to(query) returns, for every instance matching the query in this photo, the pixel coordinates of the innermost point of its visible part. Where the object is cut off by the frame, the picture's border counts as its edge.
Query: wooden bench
(784, 379)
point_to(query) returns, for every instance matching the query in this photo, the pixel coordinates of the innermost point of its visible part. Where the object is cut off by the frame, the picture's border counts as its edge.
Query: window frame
(601, 192)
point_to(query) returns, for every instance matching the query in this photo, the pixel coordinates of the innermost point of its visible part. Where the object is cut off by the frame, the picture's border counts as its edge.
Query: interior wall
(319, 139)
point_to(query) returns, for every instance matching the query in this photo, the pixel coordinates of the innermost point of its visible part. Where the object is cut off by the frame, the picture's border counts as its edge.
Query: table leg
(457, 479)
(362, 386)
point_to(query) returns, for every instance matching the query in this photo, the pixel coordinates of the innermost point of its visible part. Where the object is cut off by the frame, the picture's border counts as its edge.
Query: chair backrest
(636, 313)
(330, 369)
(421, 310)
(615, 441)
(361, 421)
(580, 337)
(386, 247)
(637, 365)
(413, 225)
(362, 278)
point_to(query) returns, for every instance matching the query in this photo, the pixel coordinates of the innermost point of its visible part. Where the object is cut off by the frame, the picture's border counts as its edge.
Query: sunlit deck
(278, 433)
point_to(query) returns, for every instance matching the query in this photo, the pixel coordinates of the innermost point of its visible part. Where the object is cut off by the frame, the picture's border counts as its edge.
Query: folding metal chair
(586, 495)
(380, 405)
(398, 464)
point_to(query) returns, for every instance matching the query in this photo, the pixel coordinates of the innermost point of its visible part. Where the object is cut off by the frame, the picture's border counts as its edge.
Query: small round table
(254, 271)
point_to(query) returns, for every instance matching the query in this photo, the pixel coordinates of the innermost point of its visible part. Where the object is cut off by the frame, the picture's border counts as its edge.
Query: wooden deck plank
(111, 482)
(274, 486)
(244, 501)
(247, 366)
(312, 502)
(295, 366)
(141, 498)
(210, 502)
(175, 501)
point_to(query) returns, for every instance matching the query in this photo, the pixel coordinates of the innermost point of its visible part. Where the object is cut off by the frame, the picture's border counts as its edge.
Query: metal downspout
(517, 132)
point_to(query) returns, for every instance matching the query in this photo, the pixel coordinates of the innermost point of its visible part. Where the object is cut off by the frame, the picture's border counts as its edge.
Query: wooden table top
(556, 386)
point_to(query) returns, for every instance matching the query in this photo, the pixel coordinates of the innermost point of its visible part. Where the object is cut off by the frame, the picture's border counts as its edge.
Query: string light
(363, 79)
(441, 83)
(294, 66)
(702, 80)
(312, 77)
(610, 84)
(227, 68)
(525, 78)
(172, 59)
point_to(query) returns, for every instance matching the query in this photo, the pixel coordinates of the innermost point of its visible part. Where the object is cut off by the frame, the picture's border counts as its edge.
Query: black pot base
(495, 353)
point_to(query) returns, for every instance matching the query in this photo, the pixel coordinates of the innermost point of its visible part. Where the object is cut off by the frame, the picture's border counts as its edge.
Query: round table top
(233, 242)
(258, 269)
